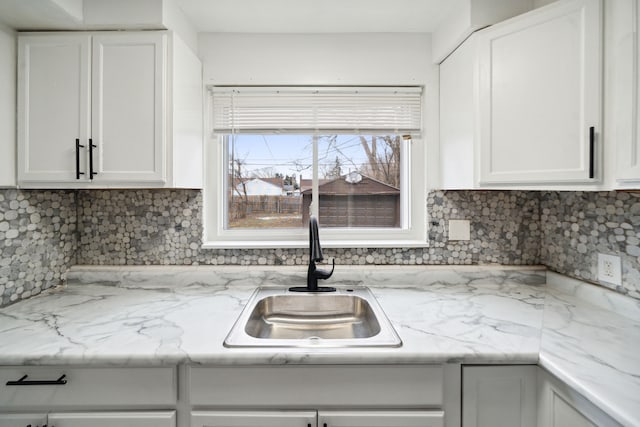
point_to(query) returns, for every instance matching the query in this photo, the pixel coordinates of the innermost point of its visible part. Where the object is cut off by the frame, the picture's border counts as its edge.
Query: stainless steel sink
(279, 318)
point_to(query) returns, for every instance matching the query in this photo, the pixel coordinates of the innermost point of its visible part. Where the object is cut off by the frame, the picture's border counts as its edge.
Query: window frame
(215, 236)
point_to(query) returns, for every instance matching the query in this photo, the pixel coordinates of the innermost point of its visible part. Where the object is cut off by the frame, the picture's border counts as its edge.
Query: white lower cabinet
(113, 419)
(59, 396)
(391, 418)
(23, 420)
(93, 419)
(499, 396)
(524, 396)
(380, 419)
(323, 396)
(560, 406)
(253, 419)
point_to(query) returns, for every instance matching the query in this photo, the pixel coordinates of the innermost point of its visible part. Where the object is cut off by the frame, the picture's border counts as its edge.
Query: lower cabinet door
(380, 419)
(566, 415)
(253, 419)
(499, 396)
(113, 419)
(560, 406)
(23, 420)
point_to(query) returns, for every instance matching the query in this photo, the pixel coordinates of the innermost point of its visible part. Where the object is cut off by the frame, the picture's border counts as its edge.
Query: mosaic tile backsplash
(37, 241)
(579, 225)
(42, 233)
(165, 227)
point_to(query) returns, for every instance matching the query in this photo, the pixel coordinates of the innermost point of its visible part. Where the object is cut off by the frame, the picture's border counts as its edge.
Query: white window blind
(336, 109)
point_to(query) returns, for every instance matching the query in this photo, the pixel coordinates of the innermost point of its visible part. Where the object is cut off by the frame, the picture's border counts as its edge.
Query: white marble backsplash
(597, 296)
(373, 275)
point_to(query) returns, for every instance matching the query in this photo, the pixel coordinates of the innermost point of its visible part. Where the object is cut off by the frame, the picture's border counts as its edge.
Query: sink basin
(345, 318)
(298, 316)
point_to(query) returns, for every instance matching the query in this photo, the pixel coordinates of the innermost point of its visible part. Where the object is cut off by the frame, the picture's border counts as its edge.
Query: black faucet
(315, 255)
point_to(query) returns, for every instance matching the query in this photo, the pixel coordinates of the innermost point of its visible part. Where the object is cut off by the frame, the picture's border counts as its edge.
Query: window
(351, 156)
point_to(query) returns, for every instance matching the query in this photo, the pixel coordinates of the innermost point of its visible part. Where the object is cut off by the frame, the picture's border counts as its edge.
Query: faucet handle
(324, 274)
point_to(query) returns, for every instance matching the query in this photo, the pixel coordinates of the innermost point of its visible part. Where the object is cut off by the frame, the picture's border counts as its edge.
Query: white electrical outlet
(609, 269)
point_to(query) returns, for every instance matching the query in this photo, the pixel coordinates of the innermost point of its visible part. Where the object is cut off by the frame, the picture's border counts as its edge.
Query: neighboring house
(261, 187)
(354, 200)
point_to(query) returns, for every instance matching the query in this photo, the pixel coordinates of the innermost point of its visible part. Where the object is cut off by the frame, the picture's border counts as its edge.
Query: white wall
(540, 3)
(327, 59)
(175, 20)
(139, 14)
(306, 59)
(119, 14)
(471, 16)
(8, 60)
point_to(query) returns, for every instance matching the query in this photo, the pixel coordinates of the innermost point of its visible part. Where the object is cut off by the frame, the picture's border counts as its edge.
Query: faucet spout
(315, 255)
(315, 250)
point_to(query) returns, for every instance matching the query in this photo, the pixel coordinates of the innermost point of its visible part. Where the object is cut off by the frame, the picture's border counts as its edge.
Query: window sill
(326, 243)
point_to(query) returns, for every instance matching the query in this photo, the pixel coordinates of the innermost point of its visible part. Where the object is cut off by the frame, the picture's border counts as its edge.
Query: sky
(293, 155)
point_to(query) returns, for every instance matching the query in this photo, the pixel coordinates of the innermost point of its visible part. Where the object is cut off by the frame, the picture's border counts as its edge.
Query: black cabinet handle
(24, 381)
(91, 147)
(78, 146)
(592, 152)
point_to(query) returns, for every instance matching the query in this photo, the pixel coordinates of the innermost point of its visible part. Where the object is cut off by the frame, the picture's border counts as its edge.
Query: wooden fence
(248, 205)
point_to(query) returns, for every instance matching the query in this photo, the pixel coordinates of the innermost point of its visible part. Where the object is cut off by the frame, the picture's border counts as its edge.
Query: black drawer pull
(24, 381)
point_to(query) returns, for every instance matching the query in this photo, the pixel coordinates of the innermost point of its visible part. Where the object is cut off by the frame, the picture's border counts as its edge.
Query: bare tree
(239, 199)
(383, 155)
(334, 170)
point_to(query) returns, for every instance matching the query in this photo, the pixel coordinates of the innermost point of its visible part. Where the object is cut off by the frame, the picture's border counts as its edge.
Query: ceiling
(247, 16)
(317, 16)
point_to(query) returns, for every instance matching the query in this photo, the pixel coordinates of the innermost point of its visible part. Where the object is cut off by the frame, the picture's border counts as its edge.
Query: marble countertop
(479, 315)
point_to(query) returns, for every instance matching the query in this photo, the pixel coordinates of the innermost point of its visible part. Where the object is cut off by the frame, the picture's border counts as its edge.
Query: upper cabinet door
(53, 107)
(627, 87)
(540, 98)
(128, 118)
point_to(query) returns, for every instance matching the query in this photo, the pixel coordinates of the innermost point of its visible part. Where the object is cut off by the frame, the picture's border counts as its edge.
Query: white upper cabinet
(540, 97)
(99, 110)
(521, 102)
(625, 79)
(54, 104)
(8, 61)
(128, 96)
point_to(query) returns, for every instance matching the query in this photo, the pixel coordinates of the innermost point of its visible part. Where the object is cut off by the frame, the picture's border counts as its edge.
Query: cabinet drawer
(317, 386)
(253, 418)
(93, 387)
(113, 419)
(381, 418)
